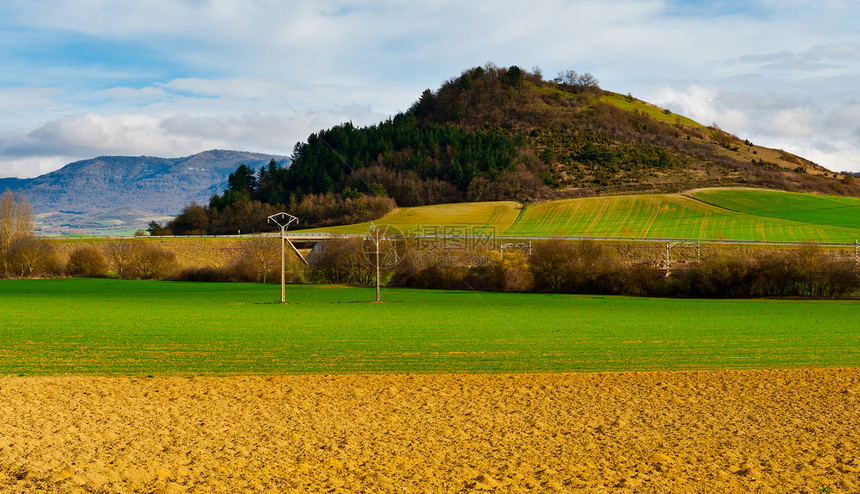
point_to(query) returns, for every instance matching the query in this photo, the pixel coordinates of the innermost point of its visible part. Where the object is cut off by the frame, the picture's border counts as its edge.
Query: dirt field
(758, 431)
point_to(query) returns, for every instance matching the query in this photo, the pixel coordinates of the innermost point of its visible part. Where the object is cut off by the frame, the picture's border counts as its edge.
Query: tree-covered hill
(497, 133)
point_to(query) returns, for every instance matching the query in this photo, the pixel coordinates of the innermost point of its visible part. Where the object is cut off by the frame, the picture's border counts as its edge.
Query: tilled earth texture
(732, 431)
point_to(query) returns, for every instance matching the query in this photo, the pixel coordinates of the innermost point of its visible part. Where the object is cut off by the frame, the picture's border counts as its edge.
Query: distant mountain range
(119, 194)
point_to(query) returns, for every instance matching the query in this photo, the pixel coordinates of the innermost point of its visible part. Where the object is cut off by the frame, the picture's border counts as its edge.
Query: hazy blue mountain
(110, 193)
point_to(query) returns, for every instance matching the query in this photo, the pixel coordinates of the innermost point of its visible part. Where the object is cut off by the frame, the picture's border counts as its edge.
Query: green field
(117, 327)
(499, 215)
(718, 214)
(753, 215)
(843, 212)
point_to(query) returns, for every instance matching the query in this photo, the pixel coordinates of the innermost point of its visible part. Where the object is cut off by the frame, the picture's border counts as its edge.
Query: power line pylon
(283, 220)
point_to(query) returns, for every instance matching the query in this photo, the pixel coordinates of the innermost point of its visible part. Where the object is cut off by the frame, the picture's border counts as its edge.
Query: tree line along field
(731, 214)
(123, 327)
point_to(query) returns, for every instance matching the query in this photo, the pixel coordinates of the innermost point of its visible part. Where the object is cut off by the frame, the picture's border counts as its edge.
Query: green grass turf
(116, 327)
(812, 209)
(679, 216)
(623, 103)
(720, 214)
(497, 215)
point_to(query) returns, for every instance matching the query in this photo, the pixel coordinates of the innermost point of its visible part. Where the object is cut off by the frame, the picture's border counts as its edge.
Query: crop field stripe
(556, 220)
(705, 225)
(596, 218)
(716, 215)
(653, 212)
(580, 213)
(623, 222)
(643, 211)
(570, 216)
(602, 220)
(639, 209)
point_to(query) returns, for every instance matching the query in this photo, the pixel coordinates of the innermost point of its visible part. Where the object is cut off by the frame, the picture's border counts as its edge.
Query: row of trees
(594, 268)
(552, 266)
(252, 196)
(249, 216)
(133, 260)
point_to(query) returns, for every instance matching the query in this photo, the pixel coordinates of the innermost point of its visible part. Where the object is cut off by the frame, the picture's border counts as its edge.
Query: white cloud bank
(170, 78)
(187, 116)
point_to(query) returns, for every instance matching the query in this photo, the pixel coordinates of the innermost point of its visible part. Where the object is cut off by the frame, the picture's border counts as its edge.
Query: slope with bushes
(496, 133)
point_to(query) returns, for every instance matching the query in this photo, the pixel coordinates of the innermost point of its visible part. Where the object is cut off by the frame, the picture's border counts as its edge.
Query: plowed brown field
(733, 431)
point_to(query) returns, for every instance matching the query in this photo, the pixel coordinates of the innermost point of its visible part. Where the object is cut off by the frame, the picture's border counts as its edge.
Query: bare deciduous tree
(150, 262)
(141, 259)
(119, 256)
(29, 256)
(264, 254)
(87, 261)
(16, 221)
(341, 260)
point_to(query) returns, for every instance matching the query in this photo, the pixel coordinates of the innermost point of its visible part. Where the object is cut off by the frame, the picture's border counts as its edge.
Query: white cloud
(95, 134)
(31, 166)
(183, 117)
(777, 71)
(704, 105)
(826, 134)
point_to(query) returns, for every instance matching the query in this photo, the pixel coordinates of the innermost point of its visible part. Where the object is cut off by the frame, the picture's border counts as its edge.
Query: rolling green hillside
(718, 214)
(500, 215)
(805, 208)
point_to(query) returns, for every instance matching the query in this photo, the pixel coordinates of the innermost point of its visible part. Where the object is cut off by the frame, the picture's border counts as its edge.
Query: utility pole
(669, 246)
(376, 257)
(283, 221)
(685, 244)
(375, 238)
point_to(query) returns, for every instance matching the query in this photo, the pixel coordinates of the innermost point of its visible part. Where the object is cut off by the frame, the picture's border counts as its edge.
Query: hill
(125, 193)
(712, 214)
(506, 134)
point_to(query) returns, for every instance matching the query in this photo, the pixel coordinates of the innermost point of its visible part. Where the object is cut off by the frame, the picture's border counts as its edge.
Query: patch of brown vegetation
(191, 252)
(751, 431)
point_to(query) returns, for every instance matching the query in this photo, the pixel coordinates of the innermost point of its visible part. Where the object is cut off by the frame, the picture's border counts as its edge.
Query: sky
(88, 78)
